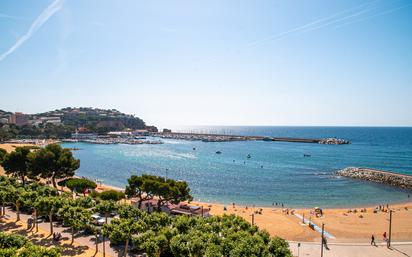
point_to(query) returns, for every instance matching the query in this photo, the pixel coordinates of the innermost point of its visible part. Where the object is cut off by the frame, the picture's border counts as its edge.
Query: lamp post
(390, 228)
(321, 244)
(166, 173)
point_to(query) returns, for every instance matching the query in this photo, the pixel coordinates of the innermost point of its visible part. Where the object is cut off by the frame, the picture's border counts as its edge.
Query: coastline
(345, 226)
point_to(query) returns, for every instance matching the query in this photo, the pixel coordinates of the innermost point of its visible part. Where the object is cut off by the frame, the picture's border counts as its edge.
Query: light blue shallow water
(286, 175)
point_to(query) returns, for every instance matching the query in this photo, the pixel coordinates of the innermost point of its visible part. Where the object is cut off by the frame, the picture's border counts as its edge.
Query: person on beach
(325, 243)
(29, 222)
(373, 241)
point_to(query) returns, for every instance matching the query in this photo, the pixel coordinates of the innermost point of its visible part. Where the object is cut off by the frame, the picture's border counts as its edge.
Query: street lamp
(390, 228)
(321, 244)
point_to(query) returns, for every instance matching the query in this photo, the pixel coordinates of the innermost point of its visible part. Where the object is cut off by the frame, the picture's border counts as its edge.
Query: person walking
(325, 243)
(373, 240)
(384, 237)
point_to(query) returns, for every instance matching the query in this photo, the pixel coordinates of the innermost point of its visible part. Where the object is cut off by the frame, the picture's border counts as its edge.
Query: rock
(333, 141)
(378, 176)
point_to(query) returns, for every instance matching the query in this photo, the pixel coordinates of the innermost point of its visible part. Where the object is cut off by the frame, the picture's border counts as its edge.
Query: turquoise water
(277, 171)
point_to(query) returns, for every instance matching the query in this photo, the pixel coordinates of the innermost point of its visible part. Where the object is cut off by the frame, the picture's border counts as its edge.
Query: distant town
(70, 123)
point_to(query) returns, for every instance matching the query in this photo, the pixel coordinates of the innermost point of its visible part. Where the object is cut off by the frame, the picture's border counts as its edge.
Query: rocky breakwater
(379, 176)
(333, 141)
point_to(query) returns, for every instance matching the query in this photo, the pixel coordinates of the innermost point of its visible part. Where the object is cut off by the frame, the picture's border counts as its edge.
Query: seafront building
(19, 119)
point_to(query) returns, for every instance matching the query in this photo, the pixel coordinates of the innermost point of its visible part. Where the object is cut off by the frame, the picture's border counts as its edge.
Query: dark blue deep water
(286, 175)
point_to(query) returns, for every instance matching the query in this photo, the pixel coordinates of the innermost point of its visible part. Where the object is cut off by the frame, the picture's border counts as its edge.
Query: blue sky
(212, 62)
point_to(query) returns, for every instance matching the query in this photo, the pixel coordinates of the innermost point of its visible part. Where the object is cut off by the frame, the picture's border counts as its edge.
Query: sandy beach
(345, 226)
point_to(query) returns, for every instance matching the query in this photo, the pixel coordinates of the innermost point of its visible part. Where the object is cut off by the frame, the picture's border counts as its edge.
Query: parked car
(98, 220)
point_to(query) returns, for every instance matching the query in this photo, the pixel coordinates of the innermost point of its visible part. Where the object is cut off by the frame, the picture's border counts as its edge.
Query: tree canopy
(53, 162)
(146, 187)
(156, 234)
(16, 162)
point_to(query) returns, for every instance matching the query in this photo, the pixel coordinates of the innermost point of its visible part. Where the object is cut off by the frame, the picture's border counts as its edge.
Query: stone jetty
(379, 176)
(228, 138)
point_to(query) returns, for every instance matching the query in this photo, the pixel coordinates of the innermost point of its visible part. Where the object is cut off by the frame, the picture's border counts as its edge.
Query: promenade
(398, 249)
(85, 245)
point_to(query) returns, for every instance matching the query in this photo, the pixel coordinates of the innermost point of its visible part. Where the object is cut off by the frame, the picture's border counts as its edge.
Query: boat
(218, 152)
(306, 155)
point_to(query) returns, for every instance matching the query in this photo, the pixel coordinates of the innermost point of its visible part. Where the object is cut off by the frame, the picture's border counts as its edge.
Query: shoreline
(9, 147)
(345, 224)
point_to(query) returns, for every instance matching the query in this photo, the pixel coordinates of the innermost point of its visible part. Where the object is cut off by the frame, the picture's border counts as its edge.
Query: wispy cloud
(344, 15)
(54, 7)
(12, 17)
(359, 13)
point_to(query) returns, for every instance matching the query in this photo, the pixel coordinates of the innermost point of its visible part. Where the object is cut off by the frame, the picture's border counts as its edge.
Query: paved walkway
(403, 249)
(85, 245)
(80, 240)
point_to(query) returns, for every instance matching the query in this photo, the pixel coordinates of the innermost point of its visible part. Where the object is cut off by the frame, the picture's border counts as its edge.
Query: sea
(276, 172)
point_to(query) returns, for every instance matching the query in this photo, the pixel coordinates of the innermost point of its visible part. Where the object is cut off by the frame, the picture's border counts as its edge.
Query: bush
(113, 195)
(38, 251)
(279, 247)
(12, 241)
(14, 245)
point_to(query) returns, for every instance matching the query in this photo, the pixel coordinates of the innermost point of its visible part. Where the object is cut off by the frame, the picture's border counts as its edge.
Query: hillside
(62, 122)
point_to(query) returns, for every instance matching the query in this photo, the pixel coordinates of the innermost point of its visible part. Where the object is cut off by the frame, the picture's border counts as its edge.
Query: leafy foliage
(14, 245)
(53, 162)
(111, 195)
(78, 184)
(156, 234)
(16, 162)
(147, 187)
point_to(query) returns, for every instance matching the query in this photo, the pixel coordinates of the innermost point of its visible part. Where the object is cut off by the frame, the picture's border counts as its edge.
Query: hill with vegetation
(85, 119)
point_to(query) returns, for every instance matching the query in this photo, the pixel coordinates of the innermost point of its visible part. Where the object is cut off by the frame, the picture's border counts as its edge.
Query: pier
(228, 138)
(378, 176)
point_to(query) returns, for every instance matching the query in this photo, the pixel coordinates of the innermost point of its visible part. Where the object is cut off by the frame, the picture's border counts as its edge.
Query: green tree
(278, 247)
(171, 191)
(2, 154)
(53, 162)
(39, 251)
(4, 197)
(16, 163)
(49, 205)
(75, 217)
(111, 195)
(123, 230)
(147, 187)
(105, 208)
(140, 187)
(79, 184)
(17, 198)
